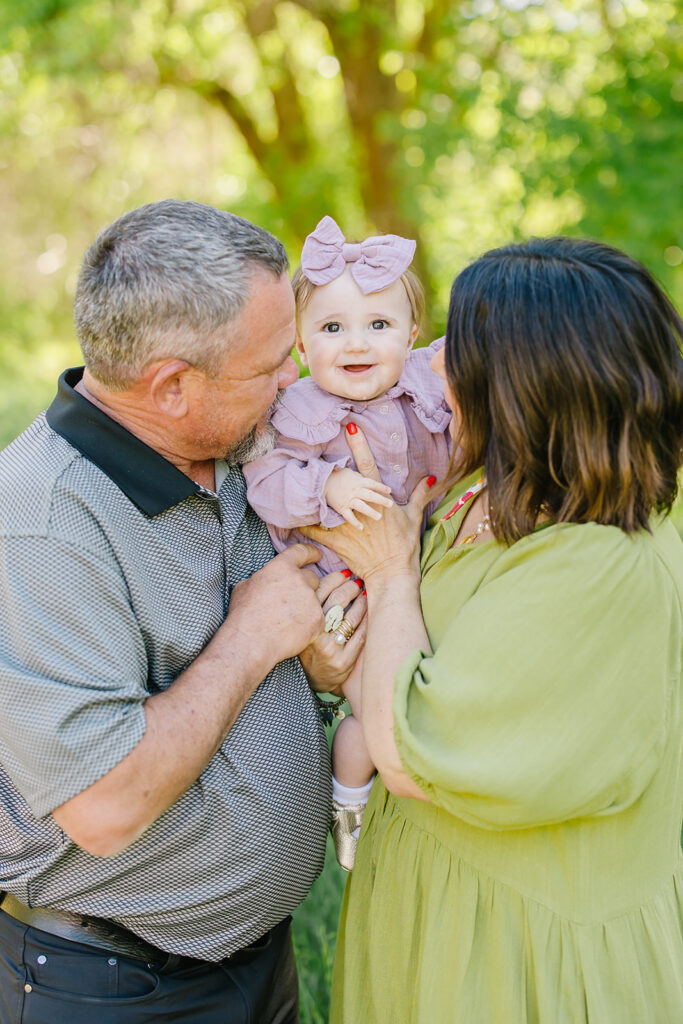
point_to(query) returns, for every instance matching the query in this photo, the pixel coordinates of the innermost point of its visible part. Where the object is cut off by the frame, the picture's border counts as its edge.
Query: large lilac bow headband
(375, 263)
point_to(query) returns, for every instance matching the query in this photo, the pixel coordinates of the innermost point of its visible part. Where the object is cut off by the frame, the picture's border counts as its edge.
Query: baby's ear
(414, 331)
(299, 345)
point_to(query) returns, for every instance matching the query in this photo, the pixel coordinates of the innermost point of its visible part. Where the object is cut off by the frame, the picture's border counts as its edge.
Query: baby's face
(356, 345)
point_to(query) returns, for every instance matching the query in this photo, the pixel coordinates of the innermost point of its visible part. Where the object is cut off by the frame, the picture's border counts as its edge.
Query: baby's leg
(351, 764)
(352, 775)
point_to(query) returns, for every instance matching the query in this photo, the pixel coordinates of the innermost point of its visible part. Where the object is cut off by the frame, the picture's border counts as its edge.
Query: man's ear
(169, 386)
(299, 345)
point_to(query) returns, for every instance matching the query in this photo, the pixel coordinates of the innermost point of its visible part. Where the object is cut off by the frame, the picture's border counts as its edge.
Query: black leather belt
(112, 937)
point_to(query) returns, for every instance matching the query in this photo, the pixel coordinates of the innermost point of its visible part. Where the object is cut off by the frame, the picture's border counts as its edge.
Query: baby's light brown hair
(303, 290)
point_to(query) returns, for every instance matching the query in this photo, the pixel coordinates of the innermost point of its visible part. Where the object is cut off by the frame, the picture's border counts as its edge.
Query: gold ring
(344, 632)
(333, 618)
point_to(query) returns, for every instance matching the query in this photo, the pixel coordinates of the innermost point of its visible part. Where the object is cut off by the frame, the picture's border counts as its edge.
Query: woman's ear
(301, 350)
(169, 386)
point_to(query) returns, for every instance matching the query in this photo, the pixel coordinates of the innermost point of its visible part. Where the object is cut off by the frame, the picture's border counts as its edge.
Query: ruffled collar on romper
(307, 413)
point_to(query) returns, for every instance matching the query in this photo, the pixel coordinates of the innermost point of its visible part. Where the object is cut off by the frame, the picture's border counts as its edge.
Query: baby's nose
(355, 341)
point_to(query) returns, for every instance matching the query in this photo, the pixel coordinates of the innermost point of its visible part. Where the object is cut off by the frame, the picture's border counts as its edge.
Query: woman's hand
(386, 547)
(386, 554)
(327, 664)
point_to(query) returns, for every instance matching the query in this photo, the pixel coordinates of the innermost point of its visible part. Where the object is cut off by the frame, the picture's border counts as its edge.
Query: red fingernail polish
(346, 572)
(363, 593)
(431, 480)
(359, 583)
(352, 428)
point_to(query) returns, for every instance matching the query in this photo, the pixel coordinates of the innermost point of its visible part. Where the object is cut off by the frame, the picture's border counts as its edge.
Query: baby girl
(358, 315)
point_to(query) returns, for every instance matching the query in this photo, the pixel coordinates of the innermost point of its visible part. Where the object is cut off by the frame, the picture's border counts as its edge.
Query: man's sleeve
(73, 669)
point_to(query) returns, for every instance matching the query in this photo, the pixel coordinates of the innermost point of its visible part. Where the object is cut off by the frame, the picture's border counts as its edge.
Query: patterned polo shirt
(115, 571)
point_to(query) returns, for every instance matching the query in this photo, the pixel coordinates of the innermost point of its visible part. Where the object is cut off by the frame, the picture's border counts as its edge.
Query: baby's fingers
(376, 485)
(360, 506)
(350, 518)
(374, 499)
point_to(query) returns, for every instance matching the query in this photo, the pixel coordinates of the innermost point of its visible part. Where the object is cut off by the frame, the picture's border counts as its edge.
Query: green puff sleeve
(547, 695)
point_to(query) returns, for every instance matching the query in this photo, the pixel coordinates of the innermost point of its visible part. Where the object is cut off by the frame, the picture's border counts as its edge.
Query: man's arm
(272, 616)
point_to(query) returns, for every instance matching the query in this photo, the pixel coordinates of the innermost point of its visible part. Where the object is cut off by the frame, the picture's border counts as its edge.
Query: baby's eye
(332, 327)
(379, 325)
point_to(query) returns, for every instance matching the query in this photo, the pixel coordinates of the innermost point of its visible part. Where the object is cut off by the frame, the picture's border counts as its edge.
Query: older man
(164, 779)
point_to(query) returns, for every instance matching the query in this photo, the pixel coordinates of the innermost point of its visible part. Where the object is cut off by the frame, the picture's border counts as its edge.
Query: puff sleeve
(547, 696)
(287, 487)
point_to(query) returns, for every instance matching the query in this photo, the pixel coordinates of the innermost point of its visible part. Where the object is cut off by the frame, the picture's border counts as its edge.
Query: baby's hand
(346, 491)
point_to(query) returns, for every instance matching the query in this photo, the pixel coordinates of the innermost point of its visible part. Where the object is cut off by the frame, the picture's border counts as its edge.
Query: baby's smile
(356, 345)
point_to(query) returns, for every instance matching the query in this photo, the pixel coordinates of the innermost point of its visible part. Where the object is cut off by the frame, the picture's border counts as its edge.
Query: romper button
(28, 988)
(384, 409)
(396, 468)
(394, 436)
(42, 959)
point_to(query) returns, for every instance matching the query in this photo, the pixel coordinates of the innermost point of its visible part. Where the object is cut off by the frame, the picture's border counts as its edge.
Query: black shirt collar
(147, 478)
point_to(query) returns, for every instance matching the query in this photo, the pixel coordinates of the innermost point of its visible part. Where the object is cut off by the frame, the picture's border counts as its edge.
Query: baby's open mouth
(357, 367)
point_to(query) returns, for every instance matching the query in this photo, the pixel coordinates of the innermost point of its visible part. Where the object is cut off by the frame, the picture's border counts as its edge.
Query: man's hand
(277, 607)
(272, 616)
(327, 664)
(347, 491)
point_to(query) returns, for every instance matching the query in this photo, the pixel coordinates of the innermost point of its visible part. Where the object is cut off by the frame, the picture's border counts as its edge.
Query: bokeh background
(462, 123)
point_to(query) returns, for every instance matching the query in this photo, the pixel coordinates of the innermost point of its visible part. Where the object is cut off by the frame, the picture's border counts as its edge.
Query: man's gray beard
(259, 441)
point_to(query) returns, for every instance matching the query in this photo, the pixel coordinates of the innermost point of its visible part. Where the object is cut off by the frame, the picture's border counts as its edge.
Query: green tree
(462, 124)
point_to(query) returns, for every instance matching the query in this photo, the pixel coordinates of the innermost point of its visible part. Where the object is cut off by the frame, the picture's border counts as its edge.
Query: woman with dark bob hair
(520, 856)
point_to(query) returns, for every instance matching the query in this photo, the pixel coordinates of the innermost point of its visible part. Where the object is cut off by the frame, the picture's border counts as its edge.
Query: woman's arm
(395, 630)
(386, 555)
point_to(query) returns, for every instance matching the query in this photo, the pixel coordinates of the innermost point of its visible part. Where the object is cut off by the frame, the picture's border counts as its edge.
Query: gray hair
(161, 281)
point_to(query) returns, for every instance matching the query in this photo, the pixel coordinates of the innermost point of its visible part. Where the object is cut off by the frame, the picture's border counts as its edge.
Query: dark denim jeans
(45, 979)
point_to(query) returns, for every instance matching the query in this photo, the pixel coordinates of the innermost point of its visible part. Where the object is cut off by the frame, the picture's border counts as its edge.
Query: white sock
(345, 795)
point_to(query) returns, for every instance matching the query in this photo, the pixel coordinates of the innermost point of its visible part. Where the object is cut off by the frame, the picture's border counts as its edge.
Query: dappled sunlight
(465, 126)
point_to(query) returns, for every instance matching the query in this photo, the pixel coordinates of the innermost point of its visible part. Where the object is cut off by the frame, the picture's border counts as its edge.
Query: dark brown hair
(564, 358)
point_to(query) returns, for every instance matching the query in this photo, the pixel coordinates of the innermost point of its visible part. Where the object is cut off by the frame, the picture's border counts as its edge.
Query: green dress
(543, 881)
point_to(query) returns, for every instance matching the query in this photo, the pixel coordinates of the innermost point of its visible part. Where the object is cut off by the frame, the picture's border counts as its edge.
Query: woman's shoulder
(659, 543)
(596, 563)
(585, 557)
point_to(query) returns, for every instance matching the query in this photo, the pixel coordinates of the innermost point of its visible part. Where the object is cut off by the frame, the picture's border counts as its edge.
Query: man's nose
(289, 372)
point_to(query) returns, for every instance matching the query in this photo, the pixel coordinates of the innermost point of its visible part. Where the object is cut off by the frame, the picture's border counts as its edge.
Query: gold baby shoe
(345, 820)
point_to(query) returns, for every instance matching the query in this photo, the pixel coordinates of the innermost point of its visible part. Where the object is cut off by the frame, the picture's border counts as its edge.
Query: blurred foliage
(462, 123)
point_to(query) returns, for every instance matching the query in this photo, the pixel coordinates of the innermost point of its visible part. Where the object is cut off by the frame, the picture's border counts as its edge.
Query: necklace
(481, 527)
(467, 496)
(484, 525)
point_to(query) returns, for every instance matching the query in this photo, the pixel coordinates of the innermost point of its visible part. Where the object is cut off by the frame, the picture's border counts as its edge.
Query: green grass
(315, 934)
